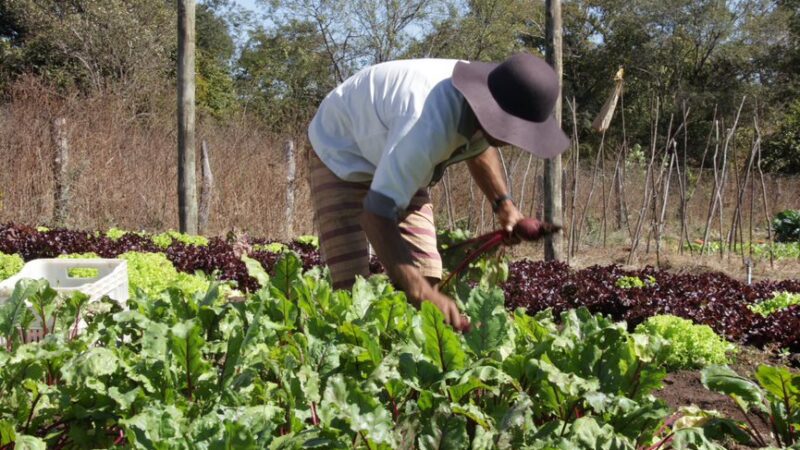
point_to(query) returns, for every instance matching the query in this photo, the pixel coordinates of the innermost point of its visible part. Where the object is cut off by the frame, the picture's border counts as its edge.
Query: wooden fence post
(207, 187)
(291, 174)
(60, 173)
(553, 247)
(187, 178)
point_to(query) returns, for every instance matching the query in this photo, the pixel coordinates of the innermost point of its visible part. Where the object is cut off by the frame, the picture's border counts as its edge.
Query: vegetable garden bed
(296, 365)
(713, 299)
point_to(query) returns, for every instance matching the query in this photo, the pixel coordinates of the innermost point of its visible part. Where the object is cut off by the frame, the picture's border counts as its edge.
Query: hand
(452, 315)
(508, 215)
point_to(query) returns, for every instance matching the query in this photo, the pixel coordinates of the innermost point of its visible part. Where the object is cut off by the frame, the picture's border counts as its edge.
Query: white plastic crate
(111, 280)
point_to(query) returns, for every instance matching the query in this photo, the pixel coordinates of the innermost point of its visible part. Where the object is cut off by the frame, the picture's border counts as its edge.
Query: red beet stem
(526, 229)
(490, 241)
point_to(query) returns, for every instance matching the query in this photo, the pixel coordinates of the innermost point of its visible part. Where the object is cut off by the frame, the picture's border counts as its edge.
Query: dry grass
(123, 165)
(123, 173)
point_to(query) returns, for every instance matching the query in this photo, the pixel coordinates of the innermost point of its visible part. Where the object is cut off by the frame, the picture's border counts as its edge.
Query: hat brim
(543, 139)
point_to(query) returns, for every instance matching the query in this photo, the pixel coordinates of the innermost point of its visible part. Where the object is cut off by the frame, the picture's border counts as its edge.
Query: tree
(358, 33)
(216, 90)
(702, 52)
(284, 74)
(487, 30)
(88, 44)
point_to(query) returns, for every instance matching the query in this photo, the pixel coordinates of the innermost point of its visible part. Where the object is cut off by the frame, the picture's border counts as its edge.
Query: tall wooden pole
(60, 172)
(553, 204)
(291, 174)
(187, 178)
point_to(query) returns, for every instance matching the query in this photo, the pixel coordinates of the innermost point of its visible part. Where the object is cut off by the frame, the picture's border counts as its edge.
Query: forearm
(384, 235)
(487, 171)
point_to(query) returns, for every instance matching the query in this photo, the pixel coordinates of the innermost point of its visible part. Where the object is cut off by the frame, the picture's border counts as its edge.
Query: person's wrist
(419, 291)
(502, 201)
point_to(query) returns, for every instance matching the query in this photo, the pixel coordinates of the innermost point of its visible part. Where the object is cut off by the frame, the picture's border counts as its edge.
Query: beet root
(531, 229)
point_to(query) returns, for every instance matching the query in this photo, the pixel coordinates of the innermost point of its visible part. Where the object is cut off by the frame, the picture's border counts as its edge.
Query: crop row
(713, 299)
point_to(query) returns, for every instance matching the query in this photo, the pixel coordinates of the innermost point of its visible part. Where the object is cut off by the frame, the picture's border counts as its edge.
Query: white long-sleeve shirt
(396, 125)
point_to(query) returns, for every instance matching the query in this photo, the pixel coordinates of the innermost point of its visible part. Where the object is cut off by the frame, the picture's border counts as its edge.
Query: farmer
(389, 131)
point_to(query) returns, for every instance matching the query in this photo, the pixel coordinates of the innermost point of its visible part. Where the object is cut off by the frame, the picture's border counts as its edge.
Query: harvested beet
(531, 229)
(526, 229)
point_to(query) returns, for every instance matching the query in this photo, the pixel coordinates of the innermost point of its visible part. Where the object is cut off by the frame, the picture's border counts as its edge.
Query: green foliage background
(279, 61)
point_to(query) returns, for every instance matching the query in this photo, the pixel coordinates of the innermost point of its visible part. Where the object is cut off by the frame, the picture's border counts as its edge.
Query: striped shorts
(343, 244)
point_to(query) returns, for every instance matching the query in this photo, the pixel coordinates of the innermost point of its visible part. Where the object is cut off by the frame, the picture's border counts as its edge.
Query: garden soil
(683, 388)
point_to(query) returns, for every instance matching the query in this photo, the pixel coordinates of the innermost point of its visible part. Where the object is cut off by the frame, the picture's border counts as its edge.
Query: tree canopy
(279, 62)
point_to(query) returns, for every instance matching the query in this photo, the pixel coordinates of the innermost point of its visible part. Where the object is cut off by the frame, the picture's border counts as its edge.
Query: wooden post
(187, 178)
(767, 220)
(291, 175)
(576, 158)
(552, 167)
(61, 161)
(204, 209)
(524, 182)
(647, 197)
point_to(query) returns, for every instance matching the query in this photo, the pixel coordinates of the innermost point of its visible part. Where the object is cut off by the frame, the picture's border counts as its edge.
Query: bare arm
(384, 234)
(487, 171)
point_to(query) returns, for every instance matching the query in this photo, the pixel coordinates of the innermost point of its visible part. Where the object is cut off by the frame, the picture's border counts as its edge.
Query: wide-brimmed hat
(513, 101)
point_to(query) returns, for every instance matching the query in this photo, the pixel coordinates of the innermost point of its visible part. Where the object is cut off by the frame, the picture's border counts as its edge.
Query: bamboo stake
(575, 177)
(664, 203)
(682, 188)
(714, 195)
(705, 152)
(586, 206)
(623, 208)
(524, 182)
(471, 204)
(656, 183)
(764, 198)
(648, 176)
(736, 220)
(718, 200)
(603, 189)
(683, 180)
(448, 200)
(729, 139)
(737, 215)
(615, 185)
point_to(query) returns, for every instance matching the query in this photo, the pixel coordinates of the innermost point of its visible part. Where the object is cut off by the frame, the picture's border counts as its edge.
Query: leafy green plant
(758, 250)
(10, 265)
(298, 365)
(690, 346)
(779, 301)
(272, 247)
(115, 234)
(786, 225)
(165, 239)
(774, 399)
(490, 269)
(153, 273)
(629, 282)
(308, 239)
(81, 272)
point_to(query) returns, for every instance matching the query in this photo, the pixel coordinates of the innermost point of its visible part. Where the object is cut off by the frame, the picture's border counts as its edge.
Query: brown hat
(514, 102)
